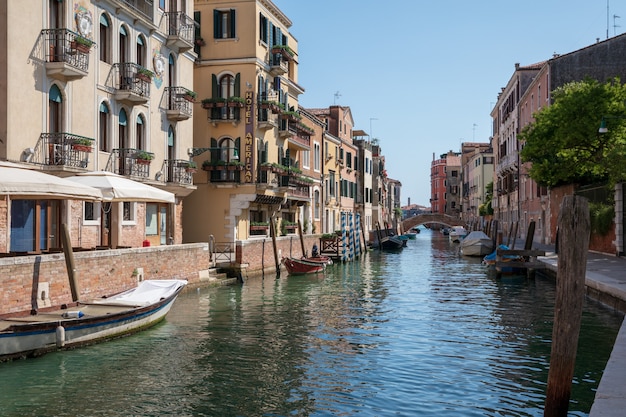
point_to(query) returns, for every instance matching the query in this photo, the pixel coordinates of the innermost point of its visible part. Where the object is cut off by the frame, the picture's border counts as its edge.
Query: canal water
(422, 332)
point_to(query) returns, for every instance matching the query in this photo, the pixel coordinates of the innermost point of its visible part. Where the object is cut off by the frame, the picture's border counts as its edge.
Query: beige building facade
(97, 86)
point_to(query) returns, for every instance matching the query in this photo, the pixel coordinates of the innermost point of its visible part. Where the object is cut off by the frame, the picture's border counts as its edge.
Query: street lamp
(603, 128)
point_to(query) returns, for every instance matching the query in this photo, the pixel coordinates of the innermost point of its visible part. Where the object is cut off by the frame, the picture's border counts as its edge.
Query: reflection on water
(422, 332)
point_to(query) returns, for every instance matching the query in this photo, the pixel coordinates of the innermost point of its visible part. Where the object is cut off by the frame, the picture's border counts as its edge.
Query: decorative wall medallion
(159, 64)
(84, 23)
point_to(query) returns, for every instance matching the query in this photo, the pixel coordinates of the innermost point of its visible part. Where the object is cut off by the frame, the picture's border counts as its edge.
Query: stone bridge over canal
(431, 219)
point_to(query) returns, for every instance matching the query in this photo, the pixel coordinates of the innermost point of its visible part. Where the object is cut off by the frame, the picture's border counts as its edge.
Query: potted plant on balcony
(209, 103)
(82, 145)
(190, 166)
(189, 95)
(143, 157)
(144, 74)
(234, 101)
(257, 226)
(81, 44)
(235, 166)
(284, 50)
(292, 116)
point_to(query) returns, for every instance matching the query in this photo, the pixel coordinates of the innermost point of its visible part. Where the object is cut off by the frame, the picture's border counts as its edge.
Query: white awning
(21, 181)
(117, 188)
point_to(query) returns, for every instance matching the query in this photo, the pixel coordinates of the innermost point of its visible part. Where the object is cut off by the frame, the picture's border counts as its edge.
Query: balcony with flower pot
(284, 51)
(223, 171)
(131, 82)
(66, 54)
(180, 29)
(259, 228)
(179, 103)
(62, 151)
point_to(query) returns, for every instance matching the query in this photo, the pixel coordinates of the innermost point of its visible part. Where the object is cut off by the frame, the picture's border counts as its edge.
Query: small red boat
(297, 266)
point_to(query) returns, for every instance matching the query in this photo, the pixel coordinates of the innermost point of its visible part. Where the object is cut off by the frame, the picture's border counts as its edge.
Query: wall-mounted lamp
(27, 154)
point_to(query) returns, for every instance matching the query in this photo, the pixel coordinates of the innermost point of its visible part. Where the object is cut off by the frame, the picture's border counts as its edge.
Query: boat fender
(73, 314)
(60, 336)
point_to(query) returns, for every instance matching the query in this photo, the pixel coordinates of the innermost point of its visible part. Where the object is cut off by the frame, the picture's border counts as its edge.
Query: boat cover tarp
(147, 292)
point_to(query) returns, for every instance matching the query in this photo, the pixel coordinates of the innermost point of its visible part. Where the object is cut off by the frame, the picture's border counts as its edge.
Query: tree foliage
(563, 144)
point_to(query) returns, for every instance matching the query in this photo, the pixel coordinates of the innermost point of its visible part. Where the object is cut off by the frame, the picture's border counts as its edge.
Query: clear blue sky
(422, 76)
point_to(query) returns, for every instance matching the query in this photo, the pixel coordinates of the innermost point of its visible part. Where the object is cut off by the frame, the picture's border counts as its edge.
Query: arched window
(171, 74)
(141, 133)
(123, 129)
(123, 52)
(55, 110)
(141, 51)
(103, 132)
(171, 143)
(227, 86)
(105, 39)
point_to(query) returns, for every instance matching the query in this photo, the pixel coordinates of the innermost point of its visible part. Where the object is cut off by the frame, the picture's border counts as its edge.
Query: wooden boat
(477, 243)
(391, 243)
(88, 322)
(301, 266)
(320, 259)
(411, 235)
(457, 233)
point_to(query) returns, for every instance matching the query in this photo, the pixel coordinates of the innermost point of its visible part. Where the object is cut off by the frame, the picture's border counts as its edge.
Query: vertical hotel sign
(248, 144)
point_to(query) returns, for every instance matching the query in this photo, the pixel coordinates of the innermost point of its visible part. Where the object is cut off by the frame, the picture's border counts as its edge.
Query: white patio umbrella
(18, 180)
(117, 188)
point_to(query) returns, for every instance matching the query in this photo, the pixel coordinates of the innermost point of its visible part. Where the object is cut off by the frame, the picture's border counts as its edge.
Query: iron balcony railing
(61, 45)
(145, 7)
(180, 25)
(130, 162)
(178, 99)
(178, 171)
(63, 149)
(133, 77)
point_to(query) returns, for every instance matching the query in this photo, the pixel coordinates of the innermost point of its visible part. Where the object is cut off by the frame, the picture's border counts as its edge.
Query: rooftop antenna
(607, 19)
(614, 25)
(337, 95)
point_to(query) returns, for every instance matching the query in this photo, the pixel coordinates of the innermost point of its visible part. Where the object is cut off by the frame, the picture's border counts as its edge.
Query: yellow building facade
(251, 140)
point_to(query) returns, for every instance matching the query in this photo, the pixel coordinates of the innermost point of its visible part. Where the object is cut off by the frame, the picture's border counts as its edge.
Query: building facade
(98, 86)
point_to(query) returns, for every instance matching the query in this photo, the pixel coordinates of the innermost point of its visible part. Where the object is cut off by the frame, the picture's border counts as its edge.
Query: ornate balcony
(131, 82)
(130, 162)
(66, 54)
(179, 103)
(180, 31)
(62, 151)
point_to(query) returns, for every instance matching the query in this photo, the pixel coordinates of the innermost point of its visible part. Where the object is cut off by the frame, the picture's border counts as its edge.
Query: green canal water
(422, 332)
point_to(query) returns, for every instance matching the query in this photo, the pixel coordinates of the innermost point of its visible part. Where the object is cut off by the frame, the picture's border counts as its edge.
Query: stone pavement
(605, 281)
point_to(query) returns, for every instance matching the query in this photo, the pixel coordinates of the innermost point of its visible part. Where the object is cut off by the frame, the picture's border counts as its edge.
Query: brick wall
(258, 254)
(99, 273)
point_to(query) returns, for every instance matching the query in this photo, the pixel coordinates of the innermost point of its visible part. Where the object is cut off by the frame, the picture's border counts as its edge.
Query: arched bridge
(431, 218)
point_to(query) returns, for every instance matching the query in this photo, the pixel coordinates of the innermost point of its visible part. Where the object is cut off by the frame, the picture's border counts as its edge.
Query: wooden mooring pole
(69, 262)
(574, 227)
(273, 233)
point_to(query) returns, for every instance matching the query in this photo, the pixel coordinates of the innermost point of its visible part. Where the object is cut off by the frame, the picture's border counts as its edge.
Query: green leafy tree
(563, 144)
(486, 209)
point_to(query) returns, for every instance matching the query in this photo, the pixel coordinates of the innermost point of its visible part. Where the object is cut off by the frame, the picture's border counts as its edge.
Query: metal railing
(59, 45)
(63, 149)
(181, 25)
(178, 171)
(176, 98)
(126, 161)
(130, 77)
(145, 7)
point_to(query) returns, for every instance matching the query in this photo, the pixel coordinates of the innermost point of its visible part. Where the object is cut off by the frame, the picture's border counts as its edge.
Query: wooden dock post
(574, 227)
(273, 233)
(69, 262)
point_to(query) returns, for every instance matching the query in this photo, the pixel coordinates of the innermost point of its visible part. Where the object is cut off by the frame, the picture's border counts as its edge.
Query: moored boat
(476, 243)
(457, 233)
(88, 322)
(303, 266)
